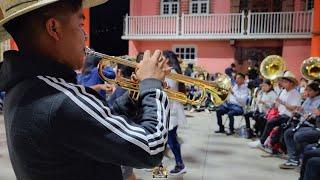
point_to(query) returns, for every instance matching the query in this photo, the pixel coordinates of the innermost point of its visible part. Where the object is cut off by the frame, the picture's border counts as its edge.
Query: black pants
(258, 117)
(310, 165)
(271, 124)
(261, 122)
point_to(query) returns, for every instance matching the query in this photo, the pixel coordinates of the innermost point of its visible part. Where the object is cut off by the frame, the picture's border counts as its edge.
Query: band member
(287, 102)
(296, 139)
(90, 77)
(235, 104)
(57, 129)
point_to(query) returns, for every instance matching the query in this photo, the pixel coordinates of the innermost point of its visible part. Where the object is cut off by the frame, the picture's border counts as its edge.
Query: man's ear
(53, 28)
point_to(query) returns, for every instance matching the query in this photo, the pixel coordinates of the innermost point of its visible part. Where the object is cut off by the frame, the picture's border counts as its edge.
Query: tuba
(219, 89)
(310, 68)
(272, 67)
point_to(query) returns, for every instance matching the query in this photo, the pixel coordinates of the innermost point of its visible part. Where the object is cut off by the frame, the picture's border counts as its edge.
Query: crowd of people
(285, 113)
(61, 125)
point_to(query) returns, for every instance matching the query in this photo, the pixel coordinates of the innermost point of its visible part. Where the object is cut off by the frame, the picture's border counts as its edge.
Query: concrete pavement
(207, 155)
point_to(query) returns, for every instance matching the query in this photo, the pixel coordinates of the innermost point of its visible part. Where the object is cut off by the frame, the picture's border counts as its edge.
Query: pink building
(216, 33)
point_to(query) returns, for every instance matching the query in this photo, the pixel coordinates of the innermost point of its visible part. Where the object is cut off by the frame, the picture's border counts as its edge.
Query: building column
(315, 42)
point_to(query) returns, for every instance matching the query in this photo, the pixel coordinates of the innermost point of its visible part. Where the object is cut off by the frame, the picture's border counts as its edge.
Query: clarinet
(304, 122)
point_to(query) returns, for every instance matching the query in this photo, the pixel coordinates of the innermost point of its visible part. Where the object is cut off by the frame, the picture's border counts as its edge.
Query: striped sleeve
(114, 135)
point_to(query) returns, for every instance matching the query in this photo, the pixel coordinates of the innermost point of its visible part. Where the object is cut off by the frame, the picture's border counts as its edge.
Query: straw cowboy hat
(290, 76)
(11, 9)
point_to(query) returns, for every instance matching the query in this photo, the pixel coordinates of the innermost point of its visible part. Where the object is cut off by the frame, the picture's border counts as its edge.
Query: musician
(287, 102)
(264, 101)
(57, 129)
(90, 77)
(235, 104)
(296, 140)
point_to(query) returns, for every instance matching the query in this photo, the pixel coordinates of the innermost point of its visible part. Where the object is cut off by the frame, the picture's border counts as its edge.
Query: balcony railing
(211, 24)
(152, 25)
(280, 23)
(270, 25)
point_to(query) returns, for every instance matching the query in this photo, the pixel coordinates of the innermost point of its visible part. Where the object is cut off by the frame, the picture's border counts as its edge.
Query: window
(309, 5)
(186, 53)
(199, 7)
(169, 7)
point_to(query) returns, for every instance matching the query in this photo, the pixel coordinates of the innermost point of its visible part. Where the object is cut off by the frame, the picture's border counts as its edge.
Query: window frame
(170, 7)
(307, 5)
(192, 61)
(199, 2)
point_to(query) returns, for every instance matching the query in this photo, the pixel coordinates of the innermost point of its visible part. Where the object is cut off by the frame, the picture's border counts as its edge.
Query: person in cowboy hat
(57, 129)
(286, 103)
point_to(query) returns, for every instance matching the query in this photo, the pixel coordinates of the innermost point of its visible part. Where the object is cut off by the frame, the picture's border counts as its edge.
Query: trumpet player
(57, 129)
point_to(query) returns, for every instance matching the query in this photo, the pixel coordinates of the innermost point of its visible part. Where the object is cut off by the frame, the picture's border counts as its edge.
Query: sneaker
(178, 170)
(255, 144)
(290, 164)
(220, 131)
(230, 133)
(192, 110)
(207, 111)
(266, 149)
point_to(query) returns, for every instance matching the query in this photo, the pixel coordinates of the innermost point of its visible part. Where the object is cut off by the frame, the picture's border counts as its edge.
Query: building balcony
(268, 25)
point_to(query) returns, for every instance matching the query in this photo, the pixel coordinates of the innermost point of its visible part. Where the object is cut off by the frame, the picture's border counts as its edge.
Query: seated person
(297, 139)
(264, 101)
(310, 163)
(234, 105)
(310, 169)
(89, 76)
(122, 72)
(287, 102)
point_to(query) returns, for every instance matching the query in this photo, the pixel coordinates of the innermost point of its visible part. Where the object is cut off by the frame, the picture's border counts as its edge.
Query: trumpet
(310, 68)
(219, 89)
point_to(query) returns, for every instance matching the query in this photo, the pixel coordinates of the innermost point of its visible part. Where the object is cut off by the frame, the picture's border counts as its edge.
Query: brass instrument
(272, 67)
(219, 89)
(310, 68)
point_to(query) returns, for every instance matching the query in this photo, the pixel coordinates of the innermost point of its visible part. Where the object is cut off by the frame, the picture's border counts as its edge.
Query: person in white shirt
(234, 105)
(296, 139)
(177, 116)
(287, 102)
(264, 101)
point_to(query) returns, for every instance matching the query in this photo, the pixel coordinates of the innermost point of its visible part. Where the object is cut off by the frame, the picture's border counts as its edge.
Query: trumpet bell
(272, 67)
(310, 68)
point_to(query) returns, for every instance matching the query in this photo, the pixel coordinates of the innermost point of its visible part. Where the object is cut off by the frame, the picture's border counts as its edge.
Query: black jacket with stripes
(57, 130)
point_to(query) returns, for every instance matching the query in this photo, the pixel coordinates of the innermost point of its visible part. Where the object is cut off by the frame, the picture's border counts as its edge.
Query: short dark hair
(315, 86)
(233, 65)
(316, 80)
(139, 57)
(18, 30)
(126, 71)
(242, 75)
